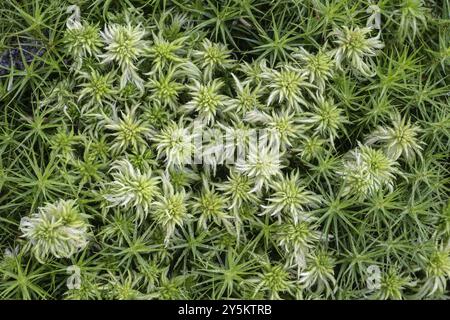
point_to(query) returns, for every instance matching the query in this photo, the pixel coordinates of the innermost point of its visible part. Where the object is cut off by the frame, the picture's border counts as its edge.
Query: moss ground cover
(236, 149)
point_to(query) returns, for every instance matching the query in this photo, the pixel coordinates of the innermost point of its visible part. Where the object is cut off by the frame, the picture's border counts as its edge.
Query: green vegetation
(119, 121)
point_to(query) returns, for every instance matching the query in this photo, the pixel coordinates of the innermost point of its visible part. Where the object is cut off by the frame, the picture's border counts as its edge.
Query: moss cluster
(238, 149)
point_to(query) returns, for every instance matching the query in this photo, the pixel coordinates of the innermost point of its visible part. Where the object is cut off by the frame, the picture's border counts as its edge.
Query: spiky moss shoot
(60, 95)
(210, 206)
(82, 41)
(98, 148)
(96, 88)
(226, 241)
(183, 178)
(156, 114)
(175, 143)
(437, 269)
(213, 56)
(412, 19)
(297, 239)
(63, 143)
(173, 25)
(162, 52)
(170, 209)
(124, 286)
(393, 285)
(290, 199)
(91, 288)
(238, 189)
(378, 110)
(117, 227)
(274, 280)
(326, 167)
(247, 98)
(284, 129)
(262, 165)
(326, 118)
(381, 168)
(132, 189)
(206, 100)
(318, 67)
(165, 88)
(281, 128)
(401, 139)
(124, 45)
(130, 91)
(319, 273)
(142, 158)
(439, 264)
(170, 287)
(254, 71)
(312, 148)
(366, 171)
(128, 131)
(151, 272)
(287, 86)
(356, 178)
(355, 48)
(58, 229)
